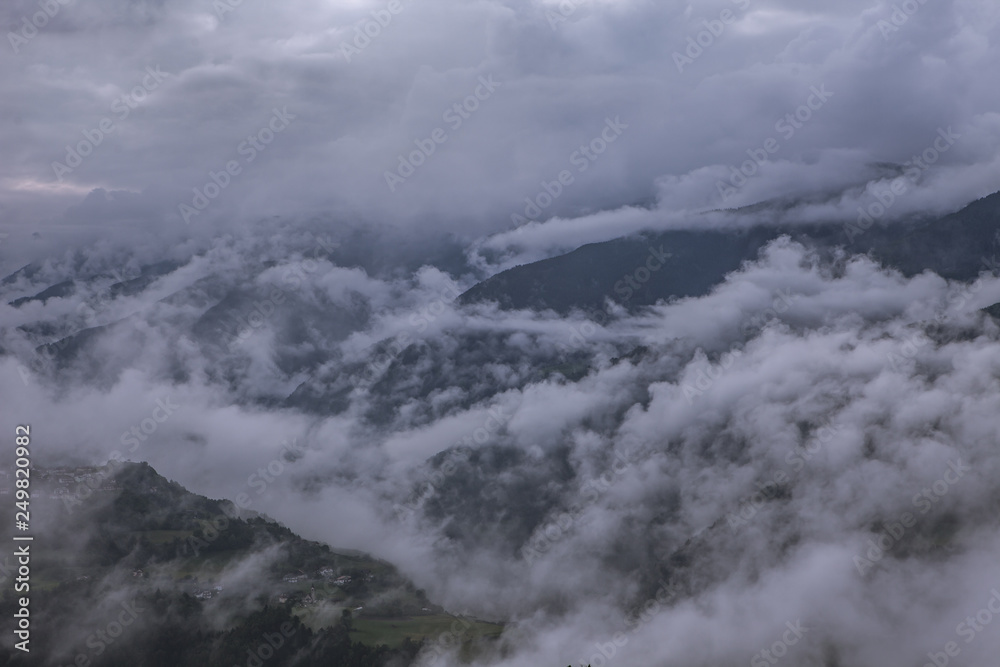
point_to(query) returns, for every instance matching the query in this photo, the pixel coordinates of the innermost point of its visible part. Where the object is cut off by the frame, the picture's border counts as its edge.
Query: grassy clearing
(391, 631)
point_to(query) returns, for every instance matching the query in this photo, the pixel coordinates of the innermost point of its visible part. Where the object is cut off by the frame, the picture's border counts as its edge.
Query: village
(323, 584)
(76, 482)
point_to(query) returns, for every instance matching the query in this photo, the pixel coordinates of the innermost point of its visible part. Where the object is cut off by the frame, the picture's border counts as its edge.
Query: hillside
(165, 577)
(956, 246)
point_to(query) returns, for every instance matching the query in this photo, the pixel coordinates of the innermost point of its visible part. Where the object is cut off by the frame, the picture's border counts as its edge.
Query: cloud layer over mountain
(244, 227)
(743, 451)
(188, 88)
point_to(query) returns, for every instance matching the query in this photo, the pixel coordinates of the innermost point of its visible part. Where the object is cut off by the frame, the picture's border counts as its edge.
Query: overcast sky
(204, 77)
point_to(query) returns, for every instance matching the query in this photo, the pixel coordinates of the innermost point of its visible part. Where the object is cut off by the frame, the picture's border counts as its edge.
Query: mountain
(162, 576)
(226, 314)
(956, 246)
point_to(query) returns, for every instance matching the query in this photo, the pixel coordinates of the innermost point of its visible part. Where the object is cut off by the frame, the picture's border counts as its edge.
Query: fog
(263, 255)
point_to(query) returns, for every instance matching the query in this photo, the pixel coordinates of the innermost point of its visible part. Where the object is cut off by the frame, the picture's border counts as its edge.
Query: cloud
(570, 511)
(224, 75)
(744, 448)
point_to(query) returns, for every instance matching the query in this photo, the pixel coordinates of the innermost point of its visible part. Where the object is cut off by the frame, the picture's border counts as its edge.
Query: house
(342, 581)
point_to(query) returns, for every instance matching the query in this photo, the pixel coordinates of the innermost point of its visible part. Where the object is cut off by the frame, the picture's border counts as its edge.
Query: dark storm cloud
(352, 112)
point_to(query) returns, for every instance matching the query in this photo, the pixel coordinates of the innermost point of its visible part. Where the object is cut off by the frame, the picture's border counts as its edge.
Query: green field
(392, 630)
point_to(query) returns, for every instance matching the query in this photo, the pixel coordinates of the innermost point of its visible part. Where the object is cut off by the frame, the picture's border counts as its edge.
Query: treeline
(170, 630)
